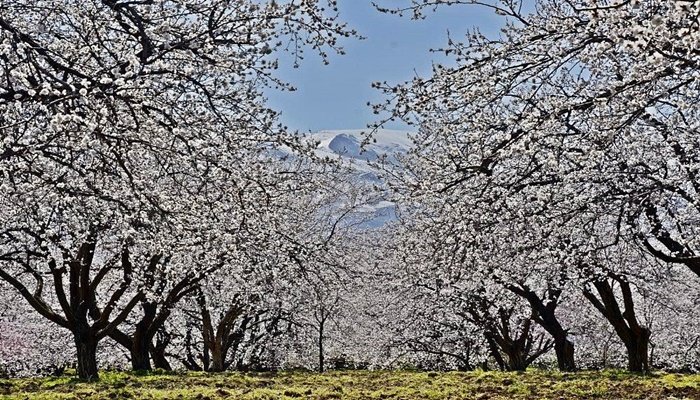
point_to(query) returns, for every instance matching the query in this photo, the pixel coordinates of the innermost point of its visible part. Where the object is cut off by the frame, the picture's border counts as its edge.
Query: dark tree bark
(634, 336)
(140, 353)
(564, 350)
(322, 315)
(520, 348)
(545, 316)
(222, 343)
(189, 360)
(154, 316)
(321, 360)
(139, 342)
(495, 352)
(512, 349)
(219, 340)
(82, 315)
(158, 350)
(673, 251)
(160, 360)
(86, 350)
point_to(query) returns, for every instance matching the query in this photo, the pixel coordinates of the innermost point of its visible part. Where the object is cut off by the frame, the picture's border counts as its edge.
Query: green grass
(533, 384)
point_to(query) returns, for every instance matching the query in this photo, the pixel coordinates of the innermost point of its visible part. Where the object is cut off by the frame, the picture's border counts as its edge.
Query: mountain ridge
(363, 156)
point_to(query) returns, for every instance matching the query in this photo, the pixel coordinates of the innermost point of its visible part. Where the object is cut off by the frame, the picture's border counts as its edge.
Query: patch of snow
(383, 146)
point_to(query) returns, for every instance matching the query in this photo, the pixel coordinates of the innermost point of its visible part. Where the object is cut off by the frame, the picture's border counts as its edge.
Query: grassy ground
(361, 385)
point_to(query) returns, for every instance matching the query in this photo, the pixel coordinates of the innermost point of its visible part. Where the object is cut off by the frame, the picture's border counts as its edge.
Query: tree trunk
(634, 336)
(138, 345)
(141, 341)
(638, 351)
(495, 353)
(140, 352)
(160, 361)
(516, 359)
(86, 349)
(545, 316)
(515, 350)
(218, 359)
(564, 350)
(321, 360)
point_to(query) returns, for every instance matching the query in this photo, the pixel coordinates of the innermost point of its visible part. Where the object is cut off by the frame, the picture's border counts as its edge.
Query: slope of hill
(385, 146)
(347, 145)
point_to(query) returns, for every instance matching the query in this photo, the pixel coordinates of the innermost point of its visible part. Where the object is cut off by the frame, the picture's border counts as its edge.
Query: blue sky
(335, 96)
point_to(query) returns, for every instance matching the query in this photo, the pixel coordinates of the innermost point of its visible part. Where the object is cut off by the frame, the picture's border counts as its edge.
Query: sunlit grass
(533, 384)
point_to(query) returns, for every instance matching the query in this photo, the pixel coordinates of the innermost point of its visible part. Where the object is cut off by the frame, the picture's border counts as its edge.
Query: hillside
(385, 148)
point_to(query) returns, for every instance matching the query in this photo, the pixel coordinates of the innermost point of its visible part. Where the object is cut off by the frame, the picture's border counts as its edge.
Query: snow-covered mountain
(347, 144)
(384, 146)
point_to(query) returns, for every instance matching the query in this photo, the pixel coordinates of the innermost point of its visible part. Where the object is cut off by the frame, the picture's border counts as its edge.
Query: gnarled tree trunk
(634, 336)
(86, 349)
(82, 315)
(141, 340)
(155, 314)
(140, 354)
(218, 340)
(158, 350)
(545, 316)
(564, 350)
(520, 348)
